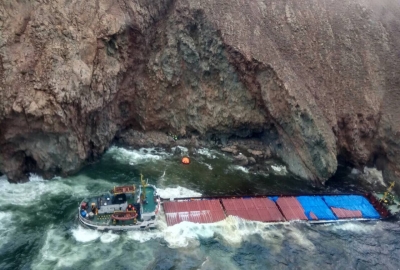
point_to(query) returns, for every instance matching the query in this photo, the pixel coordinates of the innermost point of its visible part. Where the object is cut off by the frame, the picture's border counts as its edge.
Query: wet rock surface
(230, 149)
(308, 81)
(241, 160)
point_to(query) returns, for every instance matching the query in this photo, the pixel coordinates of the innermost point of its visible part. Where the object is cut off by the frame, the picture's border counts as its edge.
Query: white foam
(24, 194)
(373, 176)
(85, 235)
(6, 227)
(177, 192)
(35, 178)
(134, 157)
(163, 175)
(56, 249)
(144, 236)
(58, 252)
(280, 169)
(352, 226)
(186, 234)
(207, 165)
(53, 246)
(5, 217)
(207, 152)
(109, 237)
(232, 230)
(300, 238)
(239, 168)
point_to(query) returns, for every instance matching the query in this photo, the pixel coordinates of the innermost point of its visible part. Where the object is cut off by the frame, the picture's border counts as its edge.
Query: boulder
(241, 160)
(230, 149)
(252, 161)
(256, 153)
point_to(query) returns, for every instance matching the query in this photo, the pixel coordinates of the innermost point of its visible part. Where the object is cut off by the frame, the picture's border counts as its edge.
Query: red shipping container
(343, 213)
(206, 211)
(257, 209)
(291, 208)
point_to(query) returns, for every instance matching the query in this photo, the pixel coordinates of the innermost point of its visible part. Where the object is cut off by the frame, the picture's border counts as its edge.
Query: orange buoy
(185, 160)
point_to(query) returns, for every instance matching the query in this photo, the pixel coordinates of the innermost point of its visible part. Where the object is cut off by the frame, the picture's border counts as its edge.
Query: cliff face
(315, 80)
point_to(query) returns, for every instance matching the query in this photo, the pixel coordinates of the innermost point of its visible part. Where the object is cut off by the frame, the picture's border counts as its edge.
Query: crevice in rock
(29, 165)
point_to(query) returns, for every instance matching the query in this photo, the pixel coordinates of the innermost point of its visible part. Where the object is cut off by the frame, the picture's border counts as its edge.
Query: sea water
(39, 227)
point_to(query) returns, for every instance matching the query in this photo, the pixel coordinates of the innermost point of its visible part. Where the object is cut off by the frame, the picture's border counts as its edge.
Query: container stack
(313, 208)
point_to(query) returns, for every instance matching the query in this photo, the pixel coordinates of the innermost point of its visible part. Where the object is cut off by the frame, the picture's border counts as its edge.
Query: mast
(144, 185)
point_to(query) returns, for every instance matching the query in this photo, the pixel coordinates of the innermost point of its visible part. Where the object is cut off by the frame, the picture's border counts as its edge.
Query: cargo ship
(127, 208)
(122, 208)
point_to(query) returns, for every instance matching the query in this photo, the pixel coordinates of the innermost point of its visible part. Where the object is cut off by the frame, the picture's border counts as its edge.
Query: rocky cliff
(313, 79)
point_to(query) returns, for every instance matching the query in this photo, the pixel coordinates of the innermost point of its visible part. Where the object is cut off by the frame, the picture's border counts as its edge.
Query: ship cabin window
(119, 199)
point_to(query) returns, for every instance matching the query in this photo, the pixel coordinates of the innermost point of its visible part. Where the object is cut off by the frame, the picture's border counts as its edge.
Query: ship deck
(150, 204)
(105, 219)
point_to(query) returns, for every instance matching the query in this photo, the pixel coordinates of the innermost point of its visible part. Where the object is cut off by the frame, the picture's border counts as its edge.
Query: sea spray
(135, 157)
(232, 230)
(354, 227)
(299, 237)
(58, 252)
(177, 192)
(84, 235)
(109, 237)
(208, 166)
(6, 227)
(211, 154)
(279, 169)
(239, 168)
(144, 236)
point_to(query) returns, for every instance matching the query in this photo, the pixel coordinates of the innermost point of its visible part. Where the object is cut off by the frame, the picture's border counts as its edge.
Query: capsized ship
(121, 209)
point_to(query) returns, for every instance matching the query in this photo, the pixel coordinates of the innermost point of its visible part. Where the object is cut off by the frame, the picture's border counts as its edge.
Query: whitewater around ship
(122, 208)
(129, 208)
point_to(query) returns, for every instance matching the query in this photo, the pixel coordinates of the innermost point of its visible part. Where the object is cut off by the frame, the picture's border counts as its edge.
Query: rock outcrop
(313, 80)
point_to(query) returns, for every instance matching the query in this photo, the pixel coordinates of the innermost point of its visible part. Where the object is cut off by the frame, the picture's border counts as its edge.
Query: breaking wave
(356, 227)
(6, 227)
(207, 165)
(134, 157)
(177, 192)
(207, 152)
(144, 236)
(85, 235)
(232, 230)
(239, 168)
(279, 169)
(37, 188)
(58, 252)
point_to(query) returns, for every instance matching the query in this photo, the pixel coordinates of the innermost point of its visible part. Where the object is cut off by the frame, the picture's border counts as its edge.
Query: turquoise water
(39, 229)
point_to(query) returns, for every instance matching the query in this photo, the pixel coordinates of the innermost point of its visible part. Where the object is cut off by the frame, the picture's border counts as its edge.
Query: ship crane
(388, 197)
